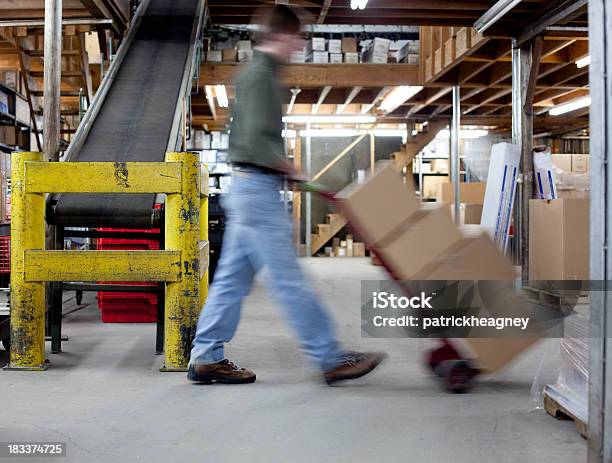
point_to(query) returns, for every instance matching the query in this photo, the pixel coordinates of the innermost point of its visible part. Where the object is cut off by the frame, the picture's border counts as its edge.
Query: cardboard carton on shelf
(559, 239)
(359, 250)
(230, 55)
(318, 44)
(380, 204)
(349, 45)
(334, 46)
(472, 192)
(336, 58)
(351, 57)
(432, 184)
(562, 162)
(214, 56)
(469, 214)
(245, 55)
(580, 163)
(439, 166)
(320, 57)
(244, 45)
(8, 135)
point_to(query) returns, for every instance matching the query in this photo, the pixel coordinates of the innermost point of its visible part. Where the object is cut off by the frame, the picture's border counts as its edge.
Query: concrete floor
(105, 398)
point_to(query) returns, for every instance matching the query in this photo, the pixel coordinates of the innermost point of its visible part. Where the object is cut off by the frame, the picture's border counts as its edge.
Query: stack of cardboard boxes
(322, 51)
(241, 52)
(572, 175)
(472, 200)
(347, 247)
(418, 242)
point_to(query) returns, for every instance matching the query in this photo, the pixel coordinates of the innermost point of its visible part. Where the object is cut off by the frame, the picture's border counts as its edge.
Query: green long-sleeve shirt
(256, 127)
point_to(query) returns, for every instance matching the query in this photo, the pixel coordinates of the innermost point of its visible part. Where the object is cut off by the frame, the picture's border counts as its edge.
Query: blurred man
(258, 232)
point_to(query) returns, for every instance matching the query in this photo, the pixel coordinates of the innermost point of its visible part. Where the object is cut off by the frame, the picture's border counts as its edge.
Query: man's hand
(291, 172)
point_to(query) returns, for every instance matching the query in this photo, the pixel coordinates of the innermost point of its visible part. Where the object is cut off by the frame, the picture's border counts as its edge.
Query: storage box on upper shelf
(230, 55)
(4, 102)
(562, 161)
(318, 44)
(22, 110)
(334, 46)
(351, 58)
(298, 57)
(245, 55)
(10, 79)
(320, 57)
(431, 185)
(378, 52)
(214, 56)
(244, 45)
(349, 45)
(335, 58)
(8, 135)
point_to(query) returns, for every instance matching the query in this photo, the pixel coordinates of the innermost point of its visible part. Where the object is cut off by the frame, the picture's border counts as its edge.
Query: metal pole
(600, 369)
(522, 135)
(27, 298)
(182, 233)
(308, 195)
(455, 176)
(52, 78)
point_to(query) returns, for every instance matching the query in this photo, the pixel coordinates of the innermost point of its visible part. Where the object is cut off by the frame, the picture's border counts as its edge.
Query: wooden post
(52, 79)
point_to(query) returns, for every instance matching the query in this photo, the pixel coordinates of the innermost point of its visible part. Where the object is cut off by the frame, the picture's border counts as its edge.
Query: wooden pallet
(557, 410)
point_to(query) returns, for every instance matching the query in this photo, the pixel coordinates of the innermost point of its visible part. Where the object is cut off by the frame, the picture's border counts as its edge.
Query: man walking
(258, 232)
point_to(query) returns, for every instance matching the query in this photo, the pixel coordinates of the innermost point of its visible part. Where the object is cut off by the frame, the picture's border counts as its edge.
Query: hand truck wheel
(457, 375)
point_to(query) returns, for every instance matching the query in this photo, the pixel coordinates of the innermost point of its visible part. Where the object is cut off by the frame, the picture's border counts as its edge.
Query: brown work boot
(221, 372)
(354, 365)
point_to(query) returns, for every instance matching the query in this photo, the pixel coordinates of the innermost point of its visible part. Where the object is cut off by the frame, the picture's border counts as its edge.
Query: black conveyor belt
(136, 117)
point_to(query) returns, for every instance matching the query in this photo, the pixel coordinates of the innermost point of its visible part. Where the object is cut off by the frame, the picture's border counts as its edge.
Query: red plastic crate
(5, 254)
(128, 307)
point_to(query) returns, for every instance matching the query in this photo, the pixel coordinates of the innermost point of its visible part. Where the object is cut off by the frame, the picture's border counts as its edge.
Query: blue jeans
(257, 235)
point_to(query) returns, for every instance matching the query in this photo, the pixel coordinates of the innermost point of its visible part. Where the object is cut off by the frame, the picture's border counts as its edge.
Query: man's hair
(282, 19)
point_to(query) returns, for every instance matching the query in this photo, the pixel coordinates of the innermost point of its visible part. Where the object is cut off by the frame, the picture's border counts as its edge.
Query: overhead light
(571, 106)
(582, 62)
(221, 96)
(358, 4)
(465, 134)
(398, 96)
(494, 14)
(337, 119)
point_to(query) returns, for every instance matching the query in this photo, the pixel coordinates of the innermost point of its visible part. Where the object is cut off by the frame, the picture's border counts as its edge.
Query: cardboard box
(336, 58)
(472, 193)
(4, 102)
(320, 57)
(214, 56)
(470, 258)
(244, 45)
(349, 45)
(580, 163)
(573, 194)
(318, 44)
(22, 110)
(492, 354)
(351, 57)
(562, 161)
(298, 57)
(8, 135)
(245, 55)
(412, 59)
(10, 79)
(413, 246)
(432, 185)
(359, 250)
(439, 166)
(230, 55)
(470, 214)
(334, 46)
(559, 239)
(380, 204)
